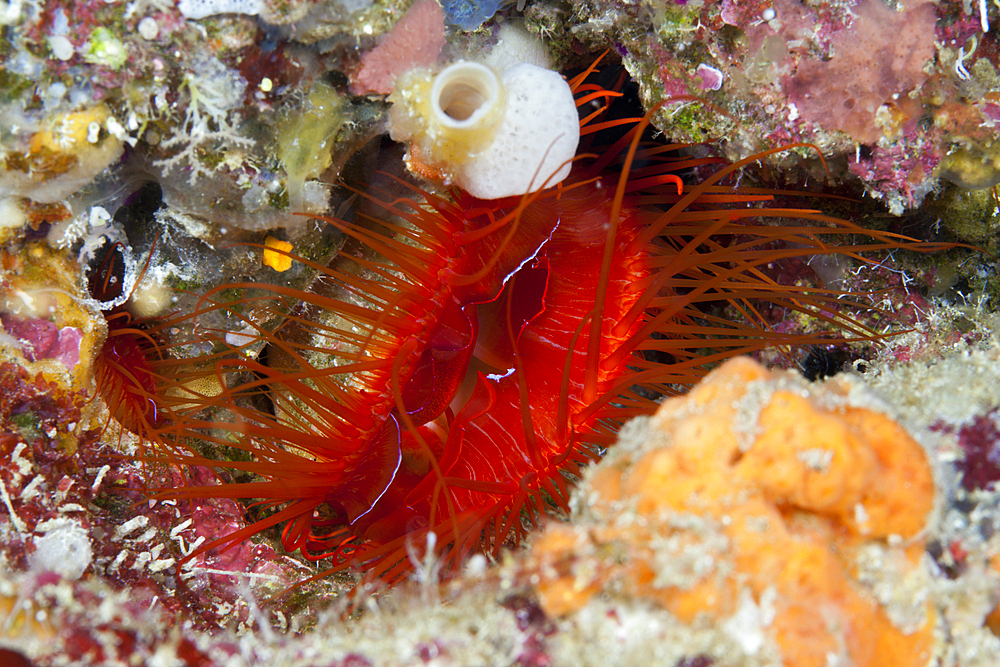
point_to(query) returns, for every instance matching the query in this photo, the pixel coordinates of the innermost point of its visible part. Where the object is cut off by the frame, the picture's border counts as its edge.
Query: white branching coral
(214, 92)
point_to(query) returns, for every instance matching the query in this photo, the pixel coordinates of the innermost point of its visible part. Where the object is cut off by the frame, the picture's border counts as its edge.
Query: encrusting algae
(751, 502)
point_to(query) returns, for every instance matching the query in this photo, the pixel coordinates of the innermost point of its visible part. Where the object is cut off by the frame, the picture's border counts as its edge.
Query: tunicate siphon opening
(461, 100)
(464, 94)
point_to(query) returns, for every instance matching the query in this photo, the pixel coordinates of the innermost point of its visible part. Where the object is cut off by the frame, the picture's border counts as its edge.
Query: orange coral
(760, 491)
(275, 254)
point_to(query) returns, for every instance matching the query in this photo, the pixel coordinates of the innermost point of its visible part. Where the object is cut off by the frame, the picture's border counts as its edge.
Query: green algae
(305, 141)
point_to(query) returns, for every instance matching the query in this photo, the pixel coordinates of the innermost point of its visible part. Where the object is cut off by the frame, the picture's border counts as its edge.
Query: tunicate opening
(465, 93)
(460, 100)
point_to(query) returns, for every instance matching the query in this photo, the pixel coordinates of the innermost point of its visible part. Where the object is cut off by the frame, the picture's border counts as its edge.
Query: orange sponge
(756, 493)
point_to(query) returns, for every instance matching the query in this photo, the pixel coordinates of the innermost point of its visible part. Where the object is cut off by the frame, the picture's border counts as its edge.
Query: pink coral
(416, 41)
(883, 53)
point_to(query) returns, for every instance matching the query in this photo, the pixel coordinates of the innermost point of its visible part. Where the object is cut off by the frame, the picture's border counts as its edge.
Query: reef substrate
(865, 517)
(243, 113)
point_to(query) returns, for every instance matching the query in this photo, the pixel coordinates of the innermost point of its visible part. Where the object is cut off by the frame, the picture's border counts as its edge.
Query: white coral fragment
(214, 91)
(63, 549)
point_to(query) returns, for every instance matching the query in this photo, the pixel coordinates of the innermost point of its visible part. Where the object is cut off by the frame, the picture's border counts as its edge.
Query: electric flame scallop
(452, 370)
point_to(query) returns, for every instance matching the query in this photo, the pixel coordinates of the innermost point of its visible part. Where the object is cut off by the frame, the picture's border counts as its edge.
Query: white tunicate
(516, 45)
(25, 64)
(255, 199)
(148, 28)
(10, 12)
(54, 95)
(495, 134)
(534, 142)
(115, 128)
(63, 549)
(768, 14)
(464, 94)
(315, 196)
(61, 47)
